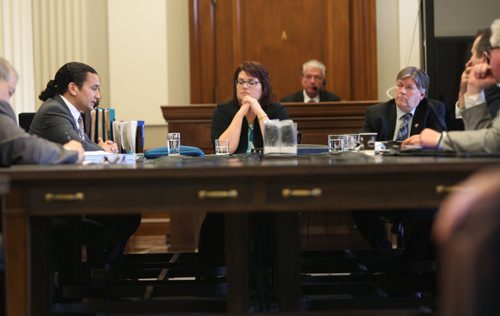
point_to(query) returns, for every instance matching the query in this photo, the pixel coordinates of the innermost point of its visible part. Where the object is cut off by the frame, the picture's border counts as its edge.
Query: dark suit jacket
(53, 121)
(18, 147)
(492, 95)
(381, 118)
(299, 96)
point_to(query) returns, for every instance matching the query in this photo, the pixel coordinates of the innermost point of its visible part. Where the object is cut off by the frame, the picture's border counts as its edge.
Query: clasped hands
(108, 146)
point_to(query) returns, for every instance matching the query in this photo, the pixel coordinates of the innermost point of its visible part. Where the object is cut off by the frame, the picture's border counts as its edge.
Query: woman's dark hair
(256, 70)
(71, 72)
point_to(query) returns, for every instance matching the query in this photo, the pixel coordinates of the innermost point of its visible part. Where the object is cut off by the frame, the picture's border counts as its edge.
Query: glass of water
(174, 144)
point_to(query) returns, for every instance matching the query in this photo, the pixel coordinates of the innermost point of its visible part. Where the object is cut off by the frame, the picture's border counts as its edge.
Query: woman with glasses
(241, 120)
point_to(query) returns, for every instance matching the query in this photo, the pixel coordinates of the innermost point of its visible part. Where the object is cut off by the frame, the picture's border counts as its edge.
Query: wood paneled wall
(282, 35)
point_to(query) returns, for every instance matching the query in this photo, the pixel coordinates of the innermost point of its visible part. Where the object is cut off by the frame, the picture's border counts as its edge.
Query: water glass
(222, 147)
(174, 144)
(351, 141)
(336, 143)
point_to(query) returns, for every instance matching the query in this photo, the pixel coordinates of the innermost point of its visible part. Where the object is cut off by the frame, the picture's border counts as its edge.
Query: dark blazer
(18, 147)
(53, 121)
(299, 96)
(381, 118)
(492, 95)
(224, 113)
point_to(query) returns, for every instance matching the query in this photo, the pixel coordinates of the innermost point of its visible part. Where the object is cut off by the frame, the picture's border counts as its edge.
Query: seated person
(479, 54)
(18, 147)
(76, 89)
(407, 114)
(241, 120)
(313, 81)
(482, 133)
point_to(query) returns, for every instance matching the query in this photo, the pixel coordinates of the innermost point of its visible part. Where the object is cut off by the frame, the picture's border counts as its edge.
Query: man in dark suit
(16, 146)
(76, 89)
(409, 109)
(407, 114)
(479, 54)
(313, 81)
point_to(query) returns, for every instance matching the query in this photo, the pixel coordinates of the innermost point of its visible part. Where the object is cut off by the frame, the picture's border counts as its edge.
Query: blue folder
(162, 151)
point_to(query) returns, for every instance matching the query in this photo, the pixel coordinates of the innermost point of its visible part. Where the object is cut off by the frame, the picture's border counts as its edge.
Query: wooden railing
(314, 120)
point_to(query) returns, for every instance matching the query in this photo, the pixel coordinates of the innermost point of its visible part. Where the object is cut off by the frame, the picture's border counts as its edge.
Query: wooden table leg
(16, 247)
(236, 226)
(288, 256)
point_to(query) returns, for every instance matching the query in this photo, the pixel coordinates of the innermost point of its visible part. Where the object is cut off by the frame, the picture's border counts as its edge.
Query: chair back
(25, 120)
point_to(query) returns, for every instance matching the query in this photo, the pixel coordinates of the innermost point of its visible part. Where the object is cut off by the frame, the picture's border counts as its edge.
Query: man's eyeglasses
(251, 82)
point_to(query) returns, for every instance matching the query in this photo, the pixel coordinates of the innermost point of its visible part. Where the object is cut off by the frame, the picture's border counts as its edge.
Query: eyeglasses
(251, 82)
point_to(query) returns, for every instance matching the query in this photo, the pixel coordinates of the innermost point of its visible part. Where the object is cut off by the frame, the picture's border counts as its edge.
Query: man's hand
(75, 146)
(429, 138)
(108, 146)
(480, 78)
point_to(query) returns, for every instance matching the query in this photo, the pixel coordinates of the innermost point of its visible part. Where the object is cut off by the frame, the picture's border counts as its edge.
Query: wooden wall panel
(282, 34)
(201, 50)
(338, 49)
(363, 50)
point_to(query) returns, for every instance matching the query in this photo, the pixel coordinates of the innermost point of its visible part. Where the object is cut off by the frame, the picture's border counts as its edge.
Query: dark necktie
(81, 131)
(404, 129)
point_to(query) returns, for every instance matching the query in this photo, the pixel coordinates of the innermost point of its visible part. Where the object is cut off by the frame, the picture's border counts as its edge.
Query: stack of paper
(103, 157)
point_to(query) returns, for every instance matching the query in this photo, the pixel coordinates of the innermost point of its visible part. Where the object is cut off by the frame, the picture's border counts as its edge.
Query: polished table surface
(236, 185)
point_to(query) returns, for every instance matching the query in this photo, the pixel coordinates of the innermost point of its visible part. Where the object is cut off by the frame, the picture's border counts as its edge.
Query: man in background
(482, 133)
(313, 82)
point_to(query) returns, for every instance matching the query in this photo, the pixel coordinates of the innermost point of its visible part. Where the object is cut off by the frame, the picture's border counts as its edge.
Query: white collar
(308, 99)
(400, 113)
(74, 111)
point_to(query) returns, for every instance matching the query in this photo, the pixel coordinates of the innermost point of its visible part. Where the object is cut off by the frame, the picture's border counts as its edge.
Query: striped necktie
(404, 128)
(81, 131)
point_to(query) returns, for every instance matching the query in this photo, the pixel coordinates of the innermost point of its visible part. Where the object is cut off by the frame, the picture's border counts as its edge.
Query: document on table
(103, 157)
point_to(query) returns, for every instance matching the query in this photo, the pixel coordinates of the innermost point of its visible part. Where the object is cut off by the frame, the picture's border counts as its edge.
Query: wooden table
(237, 185)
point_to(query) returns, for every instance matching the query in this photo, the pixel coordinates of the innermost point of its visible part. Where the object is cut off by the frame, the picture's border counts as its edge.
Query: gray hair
(313, 63)
(495, 34)
(421, 78)
(5, 70)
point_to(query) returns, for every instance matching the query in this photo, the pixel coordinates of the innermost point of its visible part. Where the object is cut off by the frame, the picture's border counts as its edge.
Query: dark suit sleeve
(221, 119)
(294, 97)
(54, 122)
(19, 147)
(368, 124)
(328, 96)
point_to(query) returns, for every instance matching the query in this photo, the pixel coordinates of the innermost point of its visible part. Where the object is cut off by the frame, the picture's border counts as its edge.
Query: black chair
(25, 120)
